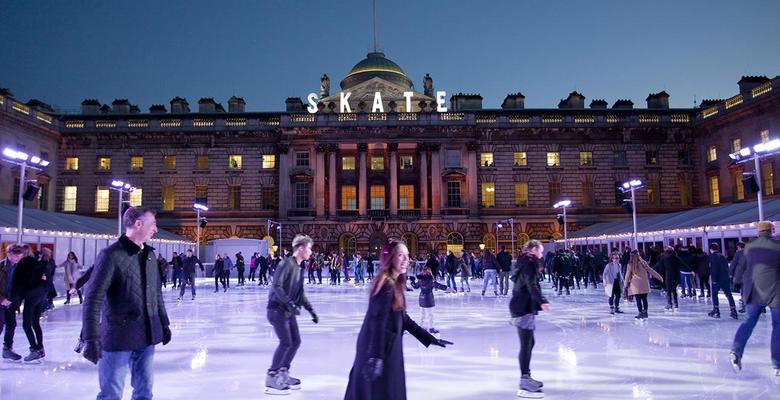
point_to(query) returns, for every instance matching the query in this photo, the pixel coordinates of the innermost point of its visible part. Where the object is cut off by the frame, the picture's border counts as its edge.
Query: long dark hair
(75, 258)
(387, 266)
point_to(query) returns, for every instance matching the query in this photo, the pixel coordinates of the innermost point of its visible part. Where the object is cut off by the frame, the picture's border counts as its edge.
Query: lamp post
(268, 225)
(198, 208)
(499, 225)
(758, 152)
(121, 188)
(24, 161)
(564, 204)
(631, 186)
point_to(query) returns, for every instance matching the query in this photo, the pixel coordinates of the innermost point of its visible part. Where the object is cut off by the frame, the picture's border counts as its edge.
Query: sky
(64, 51)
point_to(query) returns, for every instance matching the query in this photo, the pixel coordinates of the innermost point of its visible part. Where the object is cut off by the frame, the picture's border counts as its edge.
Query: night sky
(62, 52)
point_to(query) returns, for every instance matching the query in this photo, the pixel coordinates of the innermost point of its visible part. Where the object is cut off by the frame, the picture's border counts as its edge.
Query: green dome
(375, 65)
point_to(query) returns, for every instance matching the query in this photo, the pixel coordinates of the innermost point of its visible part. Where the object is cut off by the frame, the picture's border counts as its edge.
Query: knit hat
(765, 227)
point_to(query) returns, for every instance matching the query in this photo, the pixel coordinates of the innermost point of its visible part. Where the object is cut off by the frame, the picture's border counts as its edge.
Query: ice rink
(222, 346)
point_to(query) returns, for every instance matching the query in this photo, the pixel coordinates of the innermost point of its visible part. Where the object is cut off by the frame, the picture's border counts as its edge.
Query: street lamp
(759, 151)
(121, 187)
(564, 204)
(499, 225)
(631, 186)
(24, 161)
(268, 225)
(198, 224)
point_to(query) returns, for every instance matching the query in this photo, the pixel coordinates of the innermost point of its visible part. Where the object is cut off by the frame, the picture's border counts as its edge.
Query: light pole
(268, 225)
(24, 161)
(198, 223)
(499, 225)
(564, 204)
(121, 188)
(759, 151)
(631, 186)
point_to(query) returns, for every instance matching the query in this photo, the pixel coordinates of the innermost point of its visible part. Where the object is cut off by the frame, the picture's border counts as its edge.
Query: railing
(409, 213)
(734, 101)
(352, 214)
(763, 89)
(300, 212)
(455, 211)
(378, 213)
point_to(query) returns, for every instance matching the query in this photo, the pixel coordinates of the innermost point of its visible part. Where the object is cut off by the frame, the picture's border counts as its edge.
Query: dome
(376, 65)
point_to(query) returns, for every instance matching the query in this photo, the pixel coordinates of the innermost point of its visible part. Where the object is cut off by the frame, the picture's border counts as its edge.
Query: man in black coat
(14, 253)
(505, 267)
(719, 270)
(124, 315)
(668, 266)
(188, 270)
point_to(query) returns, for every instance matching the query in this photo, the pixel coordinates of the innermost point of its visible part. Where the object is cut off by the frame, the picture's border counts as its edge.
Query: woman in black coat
(30, 285)
(378, 370)
(669, 267)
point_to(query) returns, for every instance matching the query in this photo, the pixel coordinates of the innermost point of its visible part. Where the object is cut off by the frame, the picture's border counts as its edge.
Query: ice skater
(378, 369)
(284, 302)
(613, 283)
(30, 286)
(465, 271)
(637, 282)
(669, 266)
(527, 300)
(218, 270)
(424, 281)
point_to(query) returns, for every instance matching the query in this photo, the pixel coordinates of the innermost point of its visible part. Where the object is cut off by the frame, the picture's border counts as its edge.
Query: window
(653, 194)
(736, 145)
(455, 242)
(407, 162)
(235, 161)
(136, 197)
(348, 163)
(712, 153)
(554, 190)
(765, 136)
(377, 197)
(234, 197)
(553, 159)
(587, 194)
(348, 198)
(101, 199)
(453, 158)
(301, 195)
(453, 194)
(43, 198)
(202, 193)
(377, 163)
(651, 157)
(520, 158)
(348, 244)
(168, 197)
(301, 158)
(620, 158)
(406, 197)
(104, 163)
(71, 163)
(169, 162)
(69, 198)
(739, 187)
(767, 179)
(684, 157)
(521, 194)
(714, 190)
(686, 194)
(486, 159)
(410, 240)
(269, 161)
(202, 162)
(137, 163)
(586, 158)
(488, 194)
(270, 198)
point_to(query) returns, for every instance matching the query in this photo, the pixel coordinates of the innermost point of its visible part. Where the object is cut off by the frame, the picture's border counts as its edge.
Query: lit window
(521, 194)
(104, 163)
(348, 198)
(712, 153)
(651, 157)
(553, 159)
(486, 159)
(453, 194)
(348, 163)
(736, 145)
(302, 194)
(406, 197)
(234, 197)
(453, 158)
(269, 161)
(71, 163)
(488, 194)
(739, 187)
(235, 161)
(767, 179)
(686, 195)
(169, 162)
(202, 162)
(377, 197)
(714, 191)
(407, 162)
(301, 158)
(136, 197)
(69, 198)
(136, 163)
(586, 158)
(764, 136)
(520, 158)
(101, 199)
(168, 195)
(377, 163)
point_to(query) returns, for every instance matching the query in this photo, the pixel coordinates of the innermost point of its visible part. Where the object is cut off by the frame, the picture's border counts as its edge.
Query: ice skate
(275, 384)
(715, 313)
(733, 313)
(529, 389)
(293, 383)
(777, 372)
(612, 310)
(35, 356)
(618, 310)
(10, 355)
(668, 307)
(736, 363)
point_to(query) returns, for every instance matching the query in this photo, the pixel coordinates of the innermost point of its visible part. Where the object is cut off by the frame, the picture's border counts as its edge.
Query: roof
(52, 221)
(730, 214)
(375, 65)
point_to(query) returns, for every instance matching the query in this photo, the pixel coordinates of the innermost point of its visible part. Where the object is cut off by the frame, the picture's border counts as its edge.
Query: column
(319, 180)
(435, 180)
(393, 147)
(471, 178)
(285, 192)
(363, 181)
(332, 202)
(423, 187)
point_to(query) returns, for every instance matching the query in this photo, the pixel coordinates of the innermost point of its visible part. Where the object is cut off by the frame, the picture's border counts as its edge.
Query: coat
(737, 267)
(637, 281)
(669, 265)
(381, 336)
(702, 265)
(719, 269)
(27, 281)
(426, 284)
(761, 281)
(72, 271)
(288, 286)
(527, 297)
(188, 263)
(611, 272)
(504, 261)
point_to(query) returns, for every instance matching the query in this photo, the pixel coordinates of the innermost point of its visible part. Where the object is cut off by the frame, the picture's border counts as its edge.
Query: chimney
(39, 106)
(623, 104)
(90, 107)
(207, 105)
(575, 100)
(706, 103)
(598, 103)
(134, 109)
(120, 106)
(236, 104)
(747, 83)
(513, 101)
(6, 92)
(658, 100)
(179, 105)
(157, 109)
(293, 104)
(463, 102)
(105, 109)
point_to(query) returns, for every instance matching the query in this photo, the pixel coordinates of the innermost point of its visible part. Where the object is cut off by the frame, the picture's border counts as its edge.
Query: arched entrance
(376, 242)
(347, 244)
(455, 242)
(410, 240)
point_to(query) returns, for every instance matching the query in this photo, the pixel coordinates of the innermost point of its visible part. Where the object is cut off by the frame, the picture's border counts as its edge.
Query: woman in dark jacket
(219, 273)
(378, 370)
(30, 285)
(669, 266)
(527, 300)
(702, 262)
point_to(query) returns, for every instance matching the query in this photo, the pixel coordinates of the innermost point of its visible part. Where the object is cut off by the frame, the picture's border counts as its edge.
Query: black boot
(715, 313)
(612, 310)
(734, 313)
(617, 309)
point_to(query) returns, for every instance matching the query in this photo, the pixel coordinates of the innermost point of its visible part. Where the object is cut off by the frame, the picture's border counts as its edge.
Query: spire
(373, 9)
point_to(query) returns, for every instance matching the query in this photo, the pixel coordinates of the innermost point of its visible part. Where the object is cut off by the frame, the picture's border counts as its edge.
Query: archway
(455, 242)
(410, 240)
(348, 244)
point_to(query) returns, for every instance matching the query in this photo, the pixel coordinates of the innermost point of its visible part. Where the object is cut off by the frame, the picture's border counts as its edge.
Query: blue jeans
(451, 278)
(490, 275)
(113, 367)
(359, 274)
(464, 283)
(716, 287)
(686, 279)
(744, 331)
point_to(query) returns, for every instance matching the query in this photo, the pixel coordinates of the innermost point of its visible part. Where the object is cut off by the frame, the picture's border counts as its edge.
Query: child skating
(425, 282)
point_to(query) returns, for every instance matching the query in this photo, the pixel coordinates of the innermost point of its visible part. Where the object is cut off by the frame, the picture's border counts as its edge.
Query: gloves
(92, 350)
(373, 369)
(442, 343)
(166, 335)
(314, 317)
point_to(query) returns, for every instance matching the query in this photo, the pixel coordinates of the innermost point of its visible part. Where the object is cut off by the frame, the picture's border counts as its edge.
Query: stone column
(423, 186)
(363, 180)
(332, 202)
(319, 180)
(285, 189)
(393, 147)
(436, 199)
(471, 178)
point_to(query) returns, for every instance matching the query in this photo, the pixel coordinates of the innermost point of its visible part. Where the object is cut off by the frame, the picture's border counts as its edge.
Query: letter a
(377, 103)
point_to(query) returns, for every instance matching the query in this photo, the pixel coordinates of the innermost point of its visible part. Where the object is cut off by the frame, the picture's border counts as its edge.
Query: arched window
(489, 240)
(347, 244)
(410, 240)
(455, 242)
